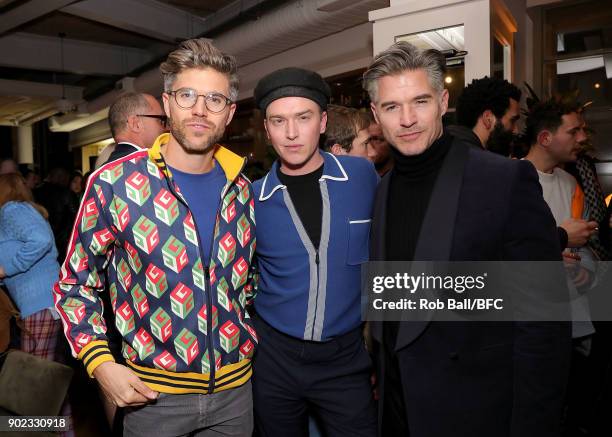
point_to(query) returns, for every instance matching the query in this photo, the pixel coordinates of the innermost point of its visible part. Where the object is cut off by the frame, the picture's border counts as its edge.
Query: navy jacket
(309, 294)
(468, 378)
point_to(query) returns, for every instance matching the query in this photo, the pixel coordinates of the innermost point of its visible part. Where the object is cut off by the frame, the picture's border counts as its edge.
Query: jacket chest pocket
(358, 241)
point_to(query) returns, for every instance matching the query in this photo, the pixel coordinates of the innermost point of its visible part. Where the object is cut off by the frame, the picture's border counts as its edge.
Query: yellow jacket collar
(230, 162)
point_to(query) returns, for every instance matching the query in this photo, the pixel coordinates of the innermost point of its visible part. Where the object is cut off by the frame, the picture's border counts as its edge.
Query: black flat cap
(292, 82)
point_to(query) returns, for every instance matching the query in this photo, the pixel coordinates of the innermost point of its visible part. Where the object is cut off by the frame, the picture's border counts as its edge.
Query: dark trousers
(331, 380)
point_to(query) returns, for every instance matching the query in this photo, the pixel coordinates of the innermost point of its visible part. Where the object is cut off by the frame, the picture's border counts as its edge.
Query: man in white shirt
(556, 134)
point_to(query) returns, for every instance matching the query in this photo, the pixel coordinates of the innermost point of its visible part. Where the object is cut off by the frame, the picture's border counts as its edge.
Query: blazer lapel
(377, 238)
(436, 235)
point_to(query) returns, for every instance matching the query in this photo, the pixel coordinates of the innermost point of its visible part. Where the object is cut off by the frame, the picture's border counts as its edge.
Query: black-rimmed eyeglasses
(186, 98)
(162, 118)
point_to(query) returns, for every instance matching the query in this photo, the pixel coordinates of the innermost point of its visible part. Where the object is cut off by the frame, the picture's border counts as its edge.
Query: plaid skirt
(39, 334)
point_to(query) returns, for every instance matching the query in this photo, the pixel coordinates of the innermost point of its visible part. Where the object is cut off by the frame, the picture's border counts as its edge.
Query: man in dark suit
(447, 201)
(136, 120)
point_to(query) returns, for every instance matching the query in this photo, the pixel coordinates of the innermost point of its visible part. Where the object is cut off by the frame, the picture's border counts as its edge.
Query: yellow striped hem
(227, 377)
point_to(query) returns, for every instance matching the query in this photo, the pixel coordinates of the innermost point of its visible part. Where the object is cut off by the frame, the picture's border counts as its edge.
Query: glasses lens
(186, 97)
(215, 102)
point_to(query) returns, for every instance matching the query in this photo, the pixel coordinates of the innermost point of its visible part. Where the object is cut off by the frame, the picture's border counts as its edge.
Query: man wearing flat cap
(313, 219)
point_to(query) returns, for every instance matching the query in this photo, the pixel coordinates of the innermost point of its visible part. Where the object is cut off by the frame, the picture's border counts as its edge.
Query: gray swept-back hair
(200, 53)
(400, 57)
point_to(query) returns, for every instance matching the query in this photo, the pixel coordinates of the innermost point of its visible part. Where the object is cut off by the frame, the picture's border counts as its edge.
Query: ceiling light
(448, 79)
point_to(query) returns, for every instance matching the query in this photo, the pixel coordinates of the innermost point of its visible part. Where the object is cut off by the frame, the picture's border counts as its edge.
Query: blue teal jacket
(305, 293)
(28, 256)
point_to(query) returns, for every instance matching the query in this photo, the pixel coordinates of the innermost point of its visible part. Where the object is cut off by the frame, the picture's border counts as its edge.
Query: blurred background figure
(136, 120)
(8, 166)
(55, 196)
(346, 132)
(32, 179)
(28, 264)
(29, 269)
(379, 151)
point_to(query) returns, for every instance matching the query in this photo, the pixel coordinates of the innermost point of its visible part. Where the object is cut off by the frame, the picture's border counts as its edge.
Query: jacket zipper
(207, 287)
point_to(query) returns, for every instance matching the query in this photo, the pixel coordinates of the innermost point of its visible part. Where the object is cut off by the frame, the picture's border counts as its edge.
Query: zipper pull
(317, 257)
(207, 273)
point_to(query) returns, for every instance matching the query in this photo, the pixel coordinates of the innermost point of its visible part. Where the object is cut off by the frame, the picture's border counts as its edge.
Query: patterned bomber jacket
(184, 325)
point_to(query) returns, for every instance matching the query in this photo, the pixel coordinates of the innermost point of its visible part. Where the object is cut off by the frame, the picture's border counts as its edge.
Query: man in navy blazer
(136, 120)
(447, 201)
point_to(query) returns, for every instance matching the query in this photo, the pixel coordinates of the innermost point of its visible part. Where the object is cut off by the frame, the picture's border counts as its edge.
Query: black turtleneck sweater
(411, 185)
(412, 181)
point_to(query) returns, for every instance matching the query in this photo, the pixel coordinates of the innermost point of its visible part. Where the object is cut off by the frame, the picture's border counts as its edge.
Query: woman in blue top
(28, 264)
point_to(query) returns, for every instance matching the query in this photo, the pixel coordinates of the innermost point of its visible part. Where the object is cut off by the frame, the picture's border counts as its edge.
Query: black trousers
(293, 378)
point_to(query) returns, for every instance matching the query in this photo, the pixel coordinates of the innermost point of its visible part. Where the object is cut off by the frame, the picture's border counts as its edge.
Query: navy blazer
(468, 378)
(121, 150)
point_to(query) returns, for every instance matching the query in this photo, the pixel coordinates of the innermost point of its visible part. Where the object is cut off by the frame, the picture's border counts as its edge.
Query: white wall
(339, 53)
(413, 16)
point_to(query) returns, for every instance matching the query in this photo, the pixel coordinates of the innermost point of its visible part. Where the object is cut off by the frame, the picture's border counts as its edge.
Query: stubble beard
(189, 147)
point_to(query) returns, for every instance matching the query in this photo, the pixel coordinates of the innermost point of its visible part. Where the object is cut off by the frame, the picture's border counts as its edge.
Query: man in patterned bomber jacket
(174, 226)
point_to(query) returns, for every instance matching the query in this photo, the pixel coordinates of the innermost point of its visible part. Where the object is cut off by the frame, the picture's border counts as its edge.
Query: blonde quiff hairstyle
(200, 53)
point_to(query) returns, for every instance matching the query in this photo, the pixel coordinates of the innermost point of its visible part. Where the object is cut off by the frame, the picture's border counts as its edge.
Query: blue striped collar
(332, 170)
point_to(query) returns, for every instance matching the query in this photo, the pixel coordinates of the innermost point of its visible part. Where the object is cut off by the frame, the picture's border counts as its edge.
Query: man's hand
(122, 386)
(578, 231)
(578, 274)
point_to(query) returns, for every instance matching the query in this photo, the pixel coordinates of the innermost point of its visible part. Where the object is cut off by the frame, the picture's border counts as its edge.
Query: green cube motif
(174, 254)
(137, 188)
(100, 242)
(240, 271)
(186, 345)
(252, 249)
(111, 175)
(166, 207)
(78, 259)
(243, 231)
(74, 309)
(93, 280)
(198, 274)
(100, 194)
(90, 215)
(128, 352)
(242, 298)
(139, 300)
(153, 170)
(189, 228)
(146, 235)
(124, 274)
(113, 295)
(124, 319)
(181, 300)
(156, 282)
(133, 257)
(206, 362)
(222, 296)
(229, 336)
(143, 343)
(203, 319)
(227, 249)
(161, 325)
(96, 323)
(120, 213)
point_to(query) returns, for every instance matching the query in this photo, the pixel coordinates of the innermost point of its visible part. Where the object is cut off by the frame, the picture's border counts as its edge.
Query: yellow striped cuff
(94, 354)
